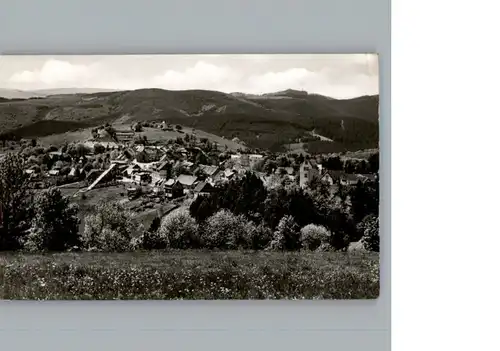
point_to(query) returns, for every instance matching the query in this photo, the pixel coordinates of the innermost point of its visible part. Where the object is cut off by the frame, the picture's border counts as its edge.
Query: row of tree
(342, 212)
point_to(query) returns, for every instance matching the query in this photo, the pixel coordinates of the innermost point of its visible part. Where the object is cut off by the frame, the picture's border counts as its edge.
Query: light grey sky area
(339, 76)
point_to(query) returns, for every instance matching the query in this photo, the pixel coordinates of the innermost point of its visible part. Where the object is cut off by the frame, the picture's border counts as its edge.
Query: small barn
(173, 189)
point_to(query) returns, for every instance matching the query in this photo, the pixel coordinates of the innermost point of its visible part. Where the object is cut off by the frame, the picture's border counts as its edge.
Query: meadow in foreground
(189, 275)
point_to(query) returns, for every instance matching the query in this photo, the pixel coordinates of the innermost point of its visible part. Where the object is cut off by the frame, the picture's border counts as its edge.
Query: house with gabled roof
(332, 177)
(142, 177)
(203, 188)
(173, 189)
(189, 166)
(371, 177)
(209, 171)
(228, 173)
(188, 181)
(170, 182)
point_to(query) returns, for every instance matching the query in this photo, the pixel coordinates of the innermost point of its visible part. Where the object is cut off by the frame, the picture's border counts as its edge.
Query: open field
(152, 135)
(156, 134)
(189, 275)
(68, 137)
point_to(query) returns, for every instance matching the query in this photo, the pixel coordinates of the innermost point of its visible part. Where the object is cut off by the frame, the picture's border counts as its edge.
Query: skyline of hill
(266, 121)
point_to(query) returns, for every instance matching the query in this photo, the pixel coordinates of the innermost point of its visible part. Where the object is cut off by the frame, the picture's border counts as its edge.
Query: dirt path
(323, 138)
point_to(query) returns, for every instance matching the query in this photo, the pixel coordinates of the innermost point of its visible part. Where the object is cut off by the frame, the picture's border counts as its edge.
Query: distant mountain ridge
(27, 94)
(265, 121)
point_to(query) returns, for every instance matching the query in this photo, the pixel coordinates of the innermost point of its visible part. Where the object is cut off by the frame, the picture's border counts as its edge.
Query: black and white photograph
(189, 177)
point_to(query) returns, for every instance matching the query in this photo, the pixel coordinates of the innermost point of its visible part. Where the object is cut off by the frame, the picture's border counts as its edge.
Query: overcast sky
(338, 76)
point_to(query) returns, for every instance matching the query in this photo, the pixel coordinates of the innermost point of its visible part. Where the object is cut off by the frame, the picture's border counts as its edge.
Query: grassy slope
(266, 121)
(189, 275)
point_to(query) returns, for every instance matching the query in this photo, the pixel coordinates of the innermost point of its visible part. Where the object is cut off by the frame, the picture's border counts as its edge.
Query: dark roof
(162, 165)
(203, 186)
(368, 176)
(209, 170)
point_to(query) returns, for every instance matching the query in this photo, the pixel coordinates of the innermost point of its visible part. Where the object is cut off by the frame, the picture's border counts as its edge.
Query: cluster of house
(311, 169)
(151, 167)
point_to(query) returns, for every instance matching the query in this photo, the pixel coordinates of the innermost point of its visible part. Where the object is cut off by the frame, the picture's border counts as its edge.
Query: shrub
(15, 201)
(151, 239)
(99, 148)
(227, 231)
(156, 240)
(65, 171)
(109, 228)
(371, 235)
(312, 236)
(54, 226)
(137, 127)
(179, 230)
(324, 247)
(32, 160)
(37, 169)
(259, 236)
(38, 151)
(287, 235)
(114, 154)
(202, 208)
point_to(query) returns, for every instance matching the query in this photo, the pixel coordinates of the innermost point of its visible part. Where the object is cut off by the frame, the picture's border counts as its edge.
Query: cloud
(201, 76)
(341, 78)
(55, 72)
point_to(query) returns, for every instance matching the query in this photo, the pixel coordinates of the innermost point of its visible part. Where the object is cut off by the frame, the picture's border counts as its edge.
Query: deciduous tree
(54, 226)
(15, 202)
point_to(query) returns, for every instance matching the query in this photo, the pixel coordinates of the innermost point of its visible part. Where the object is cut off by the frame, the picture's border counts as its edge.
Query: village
(187, 191)
(157, 176)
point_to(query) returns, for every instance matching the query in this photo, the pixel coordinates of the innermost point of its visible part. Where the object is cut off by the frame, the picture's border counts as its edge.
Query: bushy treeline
(285, 210)
(43, 221)
(352, 165)
(241, 214)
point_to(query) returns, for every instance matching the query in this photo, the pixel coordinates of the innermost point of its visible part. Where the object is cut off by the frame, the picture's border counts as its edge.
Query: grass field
(155, 134)
(152, 134)
(189, 275)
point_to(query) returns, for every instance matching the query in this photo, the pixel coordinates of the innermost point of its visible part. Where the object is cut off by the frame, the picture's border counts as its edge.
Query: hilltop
(268, 121)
